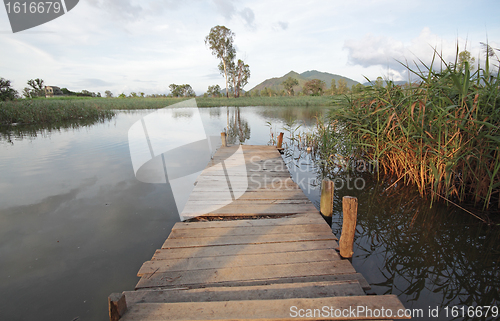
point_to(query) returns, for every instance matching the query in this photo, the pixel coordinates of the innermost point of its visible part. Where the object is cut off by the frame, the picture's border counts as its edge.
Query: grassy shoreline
(43, 110)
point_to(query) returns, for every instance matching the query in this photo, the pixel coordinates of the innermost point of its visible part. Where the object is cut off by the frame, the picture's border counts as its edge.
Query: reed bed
(30, 111)
(441, 133)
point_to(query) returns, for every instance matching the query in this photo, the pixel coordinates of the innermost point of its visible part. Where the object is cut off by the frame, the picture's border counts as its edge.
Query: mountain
(275, 83)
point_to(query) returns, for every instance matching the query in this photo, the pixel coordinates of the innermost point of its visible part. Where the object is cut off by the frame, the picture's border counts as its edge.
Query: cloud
(248, 15)
(92, 82)
(225, 8)
(122, 9)
(283, 25)
(391, 54)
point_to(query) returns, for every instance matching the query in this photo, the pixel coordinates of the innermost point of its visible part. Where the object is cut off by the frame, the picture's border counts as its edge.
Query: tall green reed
(440, 133)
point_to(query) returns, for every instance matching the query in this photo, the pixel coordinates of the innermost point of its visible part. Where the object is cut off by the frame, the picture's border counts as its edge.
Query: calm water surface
(76, 224)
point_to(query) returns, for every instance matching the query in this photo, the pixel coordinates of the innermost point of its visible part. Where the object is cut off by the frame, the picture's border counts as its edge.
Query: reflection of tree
(182, 113)
(238, 130)
(308, 115)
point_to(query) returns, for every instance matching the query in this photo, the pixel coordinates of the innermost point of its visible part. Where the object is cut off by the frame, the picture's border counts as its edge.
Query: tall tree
(181, 90)
(37, 88)
(109, 94)
(288, 84)
(333, 87)
(342, 86)
(6, 90)
(220, 42)
(214, 91)
(239, 74)
(314, 87)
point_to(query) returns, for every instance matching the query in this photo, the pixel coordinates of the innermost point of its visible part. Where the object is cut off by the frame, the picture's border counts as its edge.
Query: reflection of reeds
(426, 250)
(441, 134)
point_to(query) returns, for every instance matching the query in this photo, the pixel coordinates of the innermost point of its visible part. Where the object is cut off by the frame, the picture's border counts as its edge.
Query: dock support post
(280, 141)
(223, 138)
(350, 214)
(117, 306)
(326, 201)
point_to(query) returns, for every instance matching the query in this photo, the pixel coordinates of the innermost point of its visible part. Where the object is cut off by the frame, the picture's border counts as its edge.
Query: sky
(144, 46)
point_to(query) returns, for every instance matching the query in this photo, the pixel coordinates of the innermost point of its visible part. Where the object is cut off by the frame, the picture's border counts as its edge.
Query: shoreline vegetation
(48, 110)
(442, 135)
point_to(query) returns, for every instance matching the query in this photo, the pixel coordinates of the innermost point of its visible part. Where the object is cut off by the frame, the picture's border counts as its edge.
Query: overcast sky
(143, 46)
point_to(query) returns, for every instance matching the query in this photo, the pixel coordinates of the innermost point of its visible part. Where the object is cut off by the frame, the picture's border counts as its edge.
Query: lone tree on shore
(6, 90)
(289, 83)
(220, 41)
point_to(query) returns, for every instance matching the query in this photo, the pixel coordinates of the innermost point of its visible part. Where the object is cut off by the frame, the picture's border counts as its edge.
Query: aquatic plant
(440, 133)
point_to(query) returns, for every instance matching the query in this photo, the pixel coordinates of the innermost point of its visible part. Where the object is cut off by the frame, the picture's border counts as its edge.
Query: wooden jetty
(268, 255)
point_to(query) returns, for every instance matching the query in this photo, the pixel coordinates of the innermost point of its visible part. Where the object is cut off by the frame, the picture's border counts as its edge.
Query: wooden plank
(248, 273)
(189, 264)
(242, 249)
(308, 218)
(247, 239)
(240, 231)
(257, 292)
(266, 309)
(292, 194)
(256, 209)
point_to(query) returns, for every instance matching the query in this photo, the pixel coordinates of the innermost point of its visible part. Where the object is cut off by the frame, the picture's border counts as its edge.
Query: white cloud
(393, 55)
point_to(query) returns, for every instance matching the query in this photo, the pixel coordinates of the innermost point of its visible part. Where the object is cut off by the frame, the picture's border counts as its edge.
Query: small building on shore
(51, 91)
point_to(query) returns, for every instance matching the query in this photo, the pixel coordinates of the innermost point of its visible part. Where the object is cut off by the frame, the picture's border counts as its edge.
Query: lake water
(76, 224)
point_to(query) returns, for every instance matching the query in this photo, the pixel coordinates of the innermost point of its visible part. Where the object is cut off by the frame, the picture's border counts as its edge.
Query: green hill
(275, 83)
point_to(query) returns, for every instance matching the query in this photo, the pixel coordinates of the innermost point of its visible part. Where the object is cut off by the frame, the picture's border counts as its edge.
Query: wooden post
(117, 306)
(223, 138)
(350, 214)
(326, 201)
(280, 141)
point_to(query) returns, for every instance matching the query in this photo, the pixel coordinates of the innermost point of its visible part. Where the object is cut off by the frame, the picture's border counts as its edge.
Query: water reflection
(437, 256)
(10, 134)
(238, 129)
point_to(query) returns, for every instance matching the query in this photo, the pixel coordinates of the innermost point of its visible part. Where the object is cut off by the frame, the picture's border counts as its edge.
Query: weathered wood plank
(260, 230)
(189, 264)
(248, 273)
(295, 219)
(270, 194)
(264, 309)
(256, 209)
(257, 292)
(242, 249)
(247, 239)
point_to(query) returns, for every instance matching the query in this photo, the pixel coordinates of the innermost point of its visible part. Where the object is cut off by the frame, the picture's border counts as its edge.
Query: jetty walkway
(268, 254)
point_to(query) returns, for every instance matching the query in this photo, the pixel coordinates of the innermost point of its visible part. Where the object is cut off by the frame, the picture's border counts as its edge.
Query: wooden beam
(350, 214)
(117, 305)
(326, 202)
